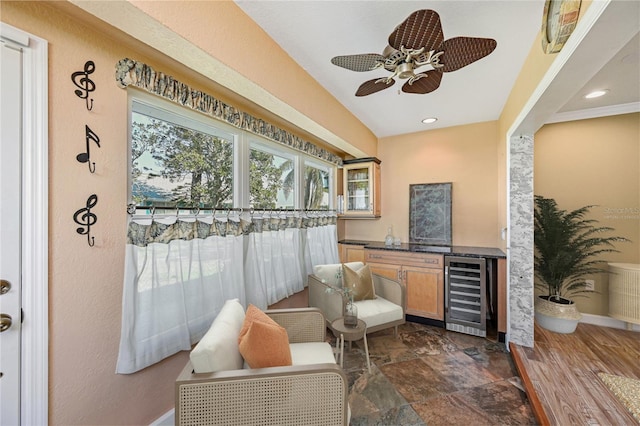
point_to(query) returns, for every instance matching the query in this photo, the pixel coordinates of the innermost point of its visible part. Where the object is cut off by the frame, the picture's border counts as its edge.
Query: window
(182, 158)
(178, 161)
(272, 179)
(317, 189)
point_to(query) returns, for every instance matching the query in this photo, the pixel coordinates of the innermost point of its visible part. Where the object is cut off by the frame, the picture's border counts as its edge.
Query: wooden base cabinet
(351, 253)
(422, 274)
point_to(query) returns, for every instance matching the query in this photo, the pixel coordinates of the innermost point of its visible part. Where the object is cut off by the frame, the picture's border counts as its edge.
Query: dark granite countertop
(464, 251)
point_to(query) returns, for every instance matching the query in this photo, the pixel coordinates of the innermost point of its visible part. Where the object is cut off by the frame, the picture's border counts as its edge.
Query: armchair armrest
(391, 290)
(308, 394)
(321, 296)
(302, 324)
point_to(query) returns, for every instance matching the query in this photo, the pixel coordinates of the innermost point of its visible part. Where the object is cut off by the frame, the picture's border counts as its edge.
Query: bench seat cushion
(378, 311)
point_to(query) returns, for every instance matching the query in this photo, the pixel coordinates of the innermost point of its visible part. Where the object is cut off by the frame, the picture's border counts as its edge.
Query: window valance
(133, 73)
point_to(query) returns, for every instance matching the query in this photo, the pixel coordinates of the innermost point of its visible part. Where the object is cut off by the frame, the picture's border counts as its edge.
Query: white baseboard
(167, 419)
(608, 322)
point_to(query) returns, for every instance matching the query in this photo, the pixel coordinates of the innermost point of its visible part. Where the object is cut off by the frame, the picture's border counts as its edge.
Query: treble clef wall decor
(84, 157)
(84, 84)
(86, 219)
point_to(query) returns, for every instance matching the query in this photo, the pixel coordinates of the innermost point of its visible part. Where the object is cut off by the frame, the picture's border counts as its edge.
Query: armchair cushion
(379, 311)
(312, 353)
(332, 274)
(360, 282)
(218, 348)
(262, 342)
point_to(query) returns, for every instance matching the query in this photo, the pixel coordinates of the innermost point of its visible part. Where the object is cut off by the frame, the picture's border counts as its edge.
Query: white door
(10, 231)
(24, 232)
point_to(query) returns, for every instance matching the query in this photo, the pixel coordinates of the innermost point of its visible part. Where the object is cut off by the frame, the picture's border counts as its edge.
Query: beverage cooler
(470, 295)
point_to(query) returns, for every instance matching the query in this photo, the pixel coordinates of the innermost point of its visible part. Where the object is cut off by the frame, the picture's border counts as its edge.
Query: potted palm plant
(566, 249)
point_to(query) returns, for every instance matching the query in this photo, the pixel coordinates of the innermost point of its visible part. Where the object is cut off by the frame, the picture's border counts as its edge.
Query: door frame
(34, 380)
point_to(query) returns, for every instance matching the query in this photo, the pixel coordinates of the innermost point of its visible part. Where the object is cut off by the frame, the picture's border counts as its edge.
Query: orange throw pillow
(359, 282)
(262, 341)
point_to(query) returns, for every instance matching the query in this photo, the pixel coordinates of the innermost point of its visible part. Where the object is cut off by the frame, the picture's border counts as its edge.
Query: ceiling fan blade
(462, 51)
(373, 86)
(421, 29)
(426, 84)
(360, 63)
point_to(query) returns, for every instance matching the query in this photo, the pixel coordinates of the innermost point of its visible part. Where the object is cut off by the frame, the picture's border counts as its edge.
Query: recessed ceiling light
(596, 94)
(429, 120)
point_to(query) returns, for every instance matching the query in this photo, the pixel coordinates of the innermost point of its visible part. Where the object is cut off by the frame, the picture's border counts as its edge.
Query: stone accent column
(521, 240)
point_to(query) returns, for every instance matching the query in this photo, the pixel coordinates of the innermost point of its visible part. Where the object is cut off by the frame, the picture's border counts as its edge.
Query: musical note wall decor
(84, 84)
(85, 157)
(86, 219)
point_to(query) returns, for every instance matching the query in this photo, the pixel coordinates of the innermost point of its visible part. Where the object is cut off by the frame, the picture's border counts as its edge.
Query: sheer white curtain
(177, 277)
(178, 274)
(321, 242)
(273, 266)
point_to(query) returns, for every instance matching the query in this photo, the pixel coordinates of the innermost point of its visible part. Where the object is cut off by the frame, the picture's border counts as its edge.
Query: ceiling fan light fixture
(405, 70)
(596, 94)
(429, 120)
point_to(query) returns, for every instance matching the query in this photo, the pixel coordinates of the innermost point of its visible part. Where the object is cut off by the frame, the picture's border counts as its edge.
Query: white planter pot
(556, 317)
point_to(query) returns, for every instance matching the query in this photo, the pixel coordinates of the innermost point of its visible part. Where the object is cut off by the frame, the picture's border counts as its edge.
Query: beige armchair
(306, 393)
(385, 311)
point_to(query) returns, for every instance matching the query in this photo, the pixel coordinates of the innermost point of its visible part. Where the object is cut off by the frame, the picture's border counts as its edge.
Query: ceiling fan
(417, 42)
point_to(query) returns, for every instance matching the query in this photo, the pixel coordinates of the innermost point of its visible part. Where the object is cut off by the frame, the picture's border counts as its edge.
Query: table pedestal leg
(366, 351)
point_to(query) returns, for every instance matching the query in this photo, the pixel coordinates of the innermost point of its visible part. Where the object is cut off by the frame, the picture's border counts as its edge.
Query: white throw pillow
(218, 348)
(332, 274)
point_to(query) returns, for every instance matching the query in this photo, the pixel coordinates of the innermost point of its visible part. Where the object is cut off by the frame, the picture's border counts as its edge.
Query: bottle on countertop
(388, 240)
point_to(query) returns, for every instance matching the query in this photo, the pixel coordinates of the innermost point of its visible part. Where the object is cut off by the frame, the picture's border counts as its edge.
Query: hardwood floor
(560, 374)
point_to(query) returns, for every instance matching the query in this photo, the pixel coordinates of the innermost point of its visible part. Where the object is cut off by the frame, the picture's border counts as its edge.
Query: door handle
(5, 322)
(5, 286)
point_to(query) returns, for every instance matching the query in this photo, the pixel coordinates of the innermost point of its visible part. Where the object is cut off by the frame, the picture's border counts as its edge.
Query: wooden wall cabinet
(361, 188)
(422, 274)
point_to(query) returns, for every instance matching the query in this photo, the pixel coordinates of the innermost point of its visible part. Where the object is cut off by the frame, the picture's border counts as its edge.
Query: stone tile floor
(430, 376)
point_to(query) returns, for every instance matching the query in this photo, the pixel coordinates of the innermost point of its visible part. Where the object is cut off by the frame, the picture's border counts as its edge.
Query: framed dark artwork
(430, 213)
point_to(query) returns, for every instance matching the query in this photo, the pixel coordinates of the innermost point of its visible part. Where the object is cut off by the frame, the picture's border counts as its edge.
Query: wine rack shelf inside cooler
(466, 295)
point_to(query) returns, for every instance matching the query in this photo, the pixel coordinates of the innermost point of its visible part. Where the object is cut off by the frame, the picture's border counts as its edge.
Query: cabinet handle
(399, 275)
(404, 275)
(374, 256)
(446, 288)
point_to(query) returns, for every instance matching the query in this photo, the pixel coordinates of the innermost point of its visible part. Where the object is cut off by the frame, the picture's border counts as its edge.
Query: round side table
(350, 334)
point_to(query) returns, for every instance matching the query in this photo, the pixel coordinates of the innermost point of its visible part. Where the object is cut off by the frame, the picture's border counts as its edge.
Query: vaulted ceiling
(313, 32)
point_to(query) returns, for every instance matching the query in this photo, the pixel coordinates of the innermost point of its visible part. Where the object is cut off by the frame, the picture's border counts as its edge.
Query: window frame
(243, 142)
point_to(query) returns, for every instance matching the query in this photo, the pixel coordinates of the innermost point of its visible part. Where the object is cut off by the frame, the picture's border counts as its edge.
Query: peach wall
(595, 162)
(464, 155)
(533, 70)
(234, 39)
(85, 284)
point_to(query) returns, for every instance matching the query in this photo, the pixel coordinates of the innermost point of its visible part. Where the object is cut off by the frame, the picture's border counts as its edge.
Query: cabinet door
(351, 253)
(425, 292)
(386, 270)
(377, 196)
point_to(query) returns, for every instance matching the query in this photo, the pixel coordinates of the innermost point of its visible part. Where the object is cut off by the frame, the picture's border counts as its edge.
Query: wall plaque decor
(86, 219)
(84, 84)
(430, 213)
